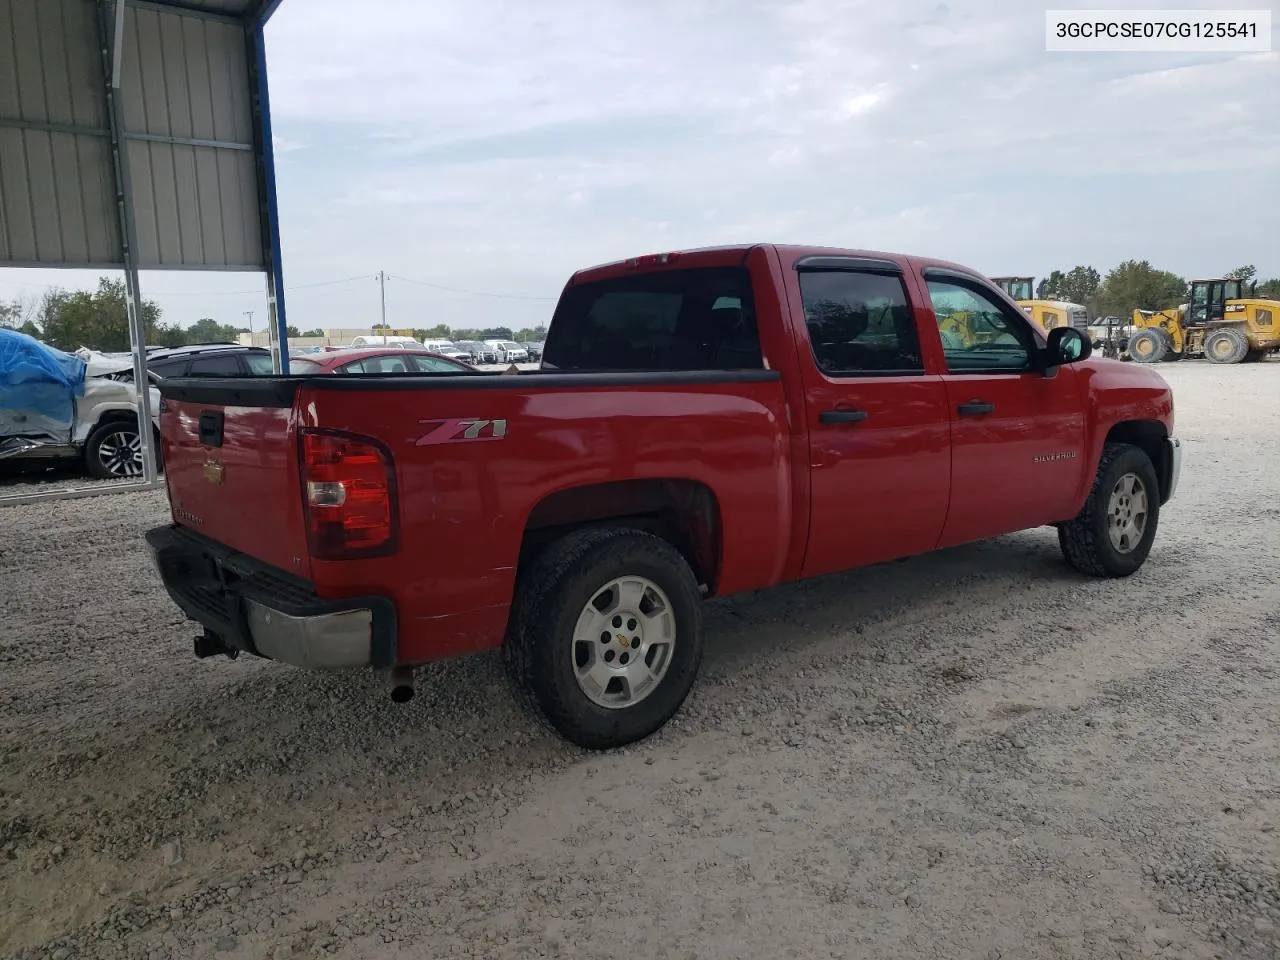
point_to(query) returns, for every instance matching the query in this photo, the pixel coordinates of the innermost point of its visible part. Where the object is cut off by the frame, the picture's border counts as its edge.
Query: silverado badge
(213, 471)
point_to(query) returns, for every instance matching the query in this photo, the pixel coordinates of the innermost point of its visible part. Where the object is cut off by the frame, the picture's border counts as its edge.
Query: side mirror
(1067, 345)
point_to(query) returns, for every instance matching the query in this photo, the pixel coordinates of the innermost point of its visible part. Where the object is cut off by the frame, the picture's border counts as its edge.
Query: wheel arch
(1151, 437)
(682, 511)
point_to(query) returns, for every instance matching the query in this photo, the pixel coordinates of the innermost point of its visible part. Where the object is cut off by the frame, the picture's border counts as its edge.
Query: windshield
(304, 367)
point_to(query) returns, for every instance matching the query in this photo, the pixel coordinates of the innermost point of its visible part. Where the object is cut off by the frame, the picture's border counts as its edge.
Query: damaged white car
(56, 405)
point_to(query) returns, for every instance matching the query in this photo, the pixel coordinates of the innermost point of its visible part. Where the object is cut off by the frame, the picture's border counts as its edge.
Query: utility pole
(382, 286)
(249, 314)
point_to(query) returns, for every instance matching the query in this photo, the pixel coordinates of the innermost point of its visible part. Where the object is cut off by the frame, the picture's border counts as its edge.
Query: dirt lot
(974, 754)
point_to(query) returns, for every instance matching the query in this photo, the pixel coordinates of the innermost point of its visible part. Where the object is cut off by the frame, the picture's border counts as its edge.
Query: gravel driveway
(972, 754)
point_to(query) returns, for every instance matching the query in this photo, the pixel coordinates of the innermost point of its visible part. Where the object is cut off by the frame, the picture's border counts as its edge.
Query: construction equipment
(1045, 312)
(1218, 322)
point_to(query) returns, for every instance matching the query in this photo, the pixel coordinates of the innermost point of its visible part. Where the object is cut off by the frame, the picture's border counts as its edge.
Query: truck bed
(477, 461)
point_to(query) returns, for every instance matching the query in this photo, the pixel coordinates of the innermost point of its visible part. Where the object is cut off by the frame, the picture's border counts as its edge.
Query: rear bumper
(249, 606)
(1175, 468)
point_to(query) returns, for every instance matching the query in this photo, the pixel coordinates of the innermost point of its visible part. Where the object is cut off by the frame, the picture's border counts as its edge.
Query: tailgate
(231, 466)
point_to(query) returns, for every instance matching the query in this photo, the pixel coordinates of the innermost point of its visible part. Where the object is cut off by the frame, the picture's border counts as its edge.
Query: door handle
(211, 424)
(975, 409)
(842, 416)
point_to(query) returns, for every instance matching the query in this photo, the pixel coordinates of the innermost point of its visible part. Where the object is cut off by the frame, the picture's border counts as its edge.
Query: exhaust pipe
(402, 684)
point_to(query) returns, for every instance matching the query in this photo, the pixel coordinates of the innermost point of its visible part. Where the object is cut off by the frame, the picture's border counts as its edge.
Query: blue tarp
(38, 379)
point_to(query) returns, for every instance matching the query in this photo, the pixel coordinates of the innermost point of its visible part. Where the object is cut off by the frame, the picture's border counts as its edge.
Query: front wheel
(606, 636)
(1148, 346)
(1112, 535)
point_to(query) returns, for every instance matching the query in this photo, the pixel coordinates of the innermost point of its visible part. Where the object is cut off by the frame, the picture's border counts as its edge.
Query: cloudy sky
(492, 146)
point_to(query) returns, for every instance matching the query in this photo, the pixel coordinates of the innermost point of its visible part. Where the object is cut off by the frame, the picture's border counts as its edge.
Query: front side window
(169, 368)
(977, 335)
(860, 323)
(380, 365)
(693, 319)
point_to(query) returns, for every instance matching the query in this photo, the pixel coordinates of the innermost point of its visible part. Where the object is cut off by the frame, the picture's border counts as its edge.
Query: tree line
(99, 320)
(442, 332)
(1133, 284)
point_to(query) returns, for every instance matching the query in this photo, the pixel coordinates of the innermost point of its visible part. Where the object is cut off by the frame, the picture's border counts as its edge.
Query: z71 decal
(463, 428)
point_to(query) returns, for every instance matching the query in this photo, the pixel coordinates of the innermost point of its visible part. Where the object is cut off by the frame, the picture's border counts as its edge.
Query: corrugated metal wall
(57, 188)
(188, 128)
(188, 117)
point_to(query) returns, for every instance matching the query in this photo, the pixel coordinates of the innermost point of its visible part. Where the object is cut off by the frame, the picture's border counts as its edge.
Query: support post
(276, 317)
(111, 30)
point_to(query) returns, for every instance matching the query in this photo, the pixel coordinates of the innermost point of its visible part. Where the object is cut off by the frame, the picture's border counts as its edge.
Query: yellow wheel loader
(1047, 313)
(1218, 322)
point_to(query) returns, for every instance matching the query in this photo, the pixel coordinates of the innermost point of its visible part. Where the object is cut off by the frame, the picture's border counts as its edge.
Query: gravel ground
(972, 754)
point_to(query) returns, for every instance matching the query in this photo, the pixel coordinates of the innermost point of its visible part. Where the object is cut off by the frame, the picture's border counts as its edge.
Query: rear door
(877, 422)
(1017, 435)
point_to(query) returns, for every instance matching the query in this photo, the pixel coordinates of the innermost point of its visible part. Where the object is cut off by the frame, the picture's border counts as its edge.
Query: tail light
(652, 260)
(349, 495)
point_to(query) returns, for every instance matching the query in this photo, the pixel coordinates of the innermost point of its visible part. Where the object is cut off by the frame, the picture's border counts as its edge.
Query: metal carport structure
(136, 135)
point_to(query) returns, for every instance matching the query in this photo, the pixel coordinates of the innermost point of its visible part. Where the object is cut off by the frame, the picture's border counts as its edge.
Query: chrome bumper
(320, 642)
(1175, 466)
(246, 606)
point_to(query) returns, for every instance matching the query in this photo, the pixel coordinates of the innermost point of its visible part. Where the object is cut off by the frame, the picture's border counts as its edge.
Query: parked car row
(98, 424)
(488, 351)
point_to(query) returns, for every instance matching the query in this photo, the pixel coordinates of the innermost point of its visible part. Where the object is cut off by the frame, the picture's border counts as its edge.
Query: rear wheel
(1112, 535)
(1226, 346)
(1148, 346)
(606, 637)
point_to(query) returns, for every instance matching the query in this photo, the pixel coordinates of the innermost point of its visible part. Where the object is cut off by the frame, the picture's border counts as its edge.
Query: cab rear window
(695, 319)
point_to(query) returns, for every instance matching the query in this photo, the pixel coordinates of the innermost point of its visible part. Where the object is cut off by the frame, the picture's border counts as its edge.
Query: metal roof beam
(187, 10)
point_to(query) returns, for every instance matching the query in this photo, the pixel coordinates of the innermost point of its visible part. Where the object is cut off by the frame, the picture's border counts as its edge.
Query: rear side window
(860, 323)
(222, 366)
(259, 364)
(696, 319)
(436, 365)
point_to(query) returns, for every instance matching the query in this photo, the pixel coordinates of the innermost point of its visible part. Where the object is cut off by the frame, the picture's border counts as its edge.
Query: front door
(1017, 434)
(879, 432)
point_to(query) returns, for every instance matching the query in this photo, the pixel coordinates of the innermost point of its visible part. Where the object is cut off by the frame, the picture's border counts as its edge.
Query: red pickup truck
(704, 423)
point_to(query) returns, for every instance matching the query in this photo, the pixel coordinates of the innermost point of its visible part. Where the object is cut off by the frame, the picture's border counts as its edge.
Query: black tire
(552, 595)
(1086, 541)
(1228, 345)
(101, 459)
(1148, 346)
